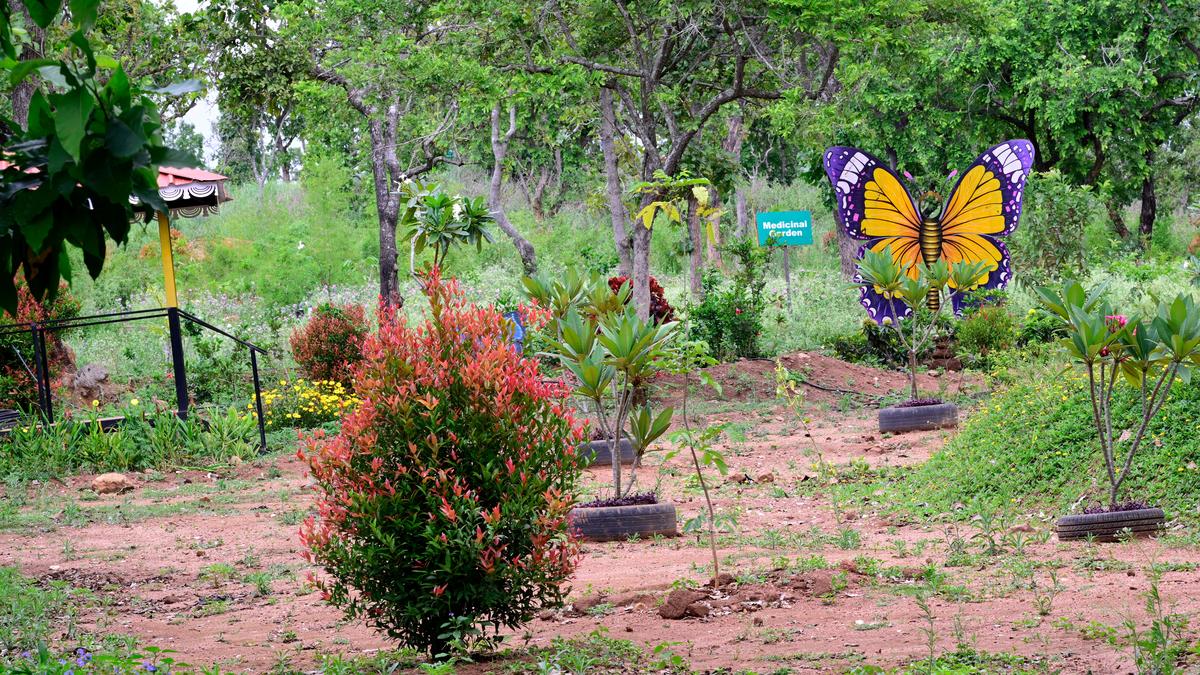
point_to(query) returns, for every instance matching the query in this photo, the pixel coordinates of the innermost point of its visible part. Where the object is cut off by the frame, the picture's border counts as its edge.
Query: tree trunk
(499, 150)
(1149, 207)
(22, 94)
(848, 252)
(387, 206)
(697, 239)
(1117, 219)
(616, 207)
(641, 263)
(739, 206)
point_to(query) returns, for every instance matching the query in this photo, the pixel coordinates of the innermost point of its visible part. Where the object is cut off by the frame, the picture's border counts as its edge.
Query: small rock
(546, 615)
(758, 621)
(186, 481)
(850, 515)
(737, 478)
(112, 484)
(698, 609)
(723, 579)
(235, 460)
(766, 478)
(677, 603)
(628, 629)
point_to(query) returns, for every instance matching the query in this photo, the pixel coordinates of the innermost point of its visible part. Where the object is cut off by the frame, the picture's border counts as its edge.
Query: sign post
(785, 228)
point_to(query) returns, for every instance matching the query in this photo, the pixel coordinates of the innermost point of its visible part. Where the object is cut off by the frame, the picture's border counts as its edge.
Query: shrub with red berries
(660, 310)
(330, 344)
(442, 504)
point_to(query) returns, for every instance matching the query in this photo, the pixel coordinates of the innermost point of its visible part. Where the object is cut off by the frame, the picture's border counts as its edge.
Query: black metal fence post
(41, 367)
(177, 362)
(258, 406)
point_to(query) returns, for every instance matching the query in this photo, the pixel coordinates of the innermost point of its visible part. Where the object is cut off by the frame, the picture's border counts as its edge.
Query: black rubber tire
(918, 418)
(599, 453)
(618, 523)
(1105, 526)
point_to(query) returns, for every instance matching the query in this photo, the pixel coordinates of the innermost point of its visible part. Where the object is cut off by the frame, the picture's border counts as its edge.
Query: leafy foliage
(730, 318)
(68, 176)
(330, 344)
(443, 501)
(18, 388)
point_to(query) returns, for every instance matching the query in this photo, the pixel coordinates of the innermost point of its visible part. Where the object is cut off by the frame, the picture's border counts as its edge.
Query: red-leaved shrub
(18, 389)
(442, 504)
(330, 344)
(660, 310)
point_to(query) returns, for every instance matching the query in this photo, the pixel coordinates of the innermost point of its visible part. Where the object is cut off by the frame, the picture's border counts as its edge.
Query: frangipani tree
(437, 220)
(912, 286)
(1149, 354)
(609, 351)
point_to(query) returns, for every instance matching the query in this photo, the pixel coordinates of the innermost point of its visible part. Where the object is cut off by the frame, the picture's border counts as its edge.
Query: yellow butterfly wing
(889, 213)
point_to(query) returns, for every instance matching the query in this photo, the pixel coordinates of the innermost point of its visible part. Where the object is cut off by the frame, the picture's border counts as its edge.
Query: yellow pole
(168, 260)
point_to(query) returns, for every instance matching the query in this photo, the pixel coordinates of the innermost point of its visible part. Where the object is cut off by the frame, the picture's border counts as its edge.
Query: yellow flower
(95, 403)
(134, 402)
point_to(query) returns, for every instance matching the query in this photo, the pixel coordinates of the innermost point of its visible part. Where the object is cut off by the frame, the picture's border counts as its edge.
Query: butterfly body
(873, 206)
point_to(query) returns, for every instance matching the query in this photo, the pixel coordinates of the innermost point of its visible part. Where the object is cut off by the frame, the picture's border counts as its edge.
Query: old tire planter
(1105, 526)
(918, 418)
(618, 523)
(599, 453)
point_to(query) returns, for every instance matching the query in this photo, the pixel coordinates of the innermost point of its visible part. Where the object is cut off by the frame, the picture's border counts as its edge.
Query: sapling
(907, 288)
(686, 358)
(610, 351)
(1149, 354)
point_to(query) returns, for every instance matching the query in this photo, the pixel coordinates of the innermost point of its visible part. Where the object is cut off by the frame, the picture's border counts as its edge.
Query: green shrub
(872, 344)
(443, 502)
(1050, 241)
(985, 329)
(730, 318)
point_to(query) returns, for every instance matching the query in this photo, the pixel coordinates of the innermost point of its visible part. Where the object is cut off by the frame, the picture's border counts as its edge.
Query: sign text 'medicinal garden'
(789, 228)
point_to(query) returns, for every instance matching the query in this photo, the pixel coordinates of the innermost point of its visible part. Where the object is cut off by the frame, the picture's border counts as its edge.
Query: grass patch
(1032, 445)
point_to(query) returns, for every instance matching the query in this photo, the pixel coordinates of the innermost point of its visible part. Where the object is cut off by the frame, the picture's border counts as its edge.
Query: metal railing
(174, 316)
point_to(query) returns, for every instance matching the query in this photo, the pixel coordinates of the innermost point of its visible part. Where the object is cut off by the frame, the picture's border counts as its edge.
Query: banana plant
(1147, 354)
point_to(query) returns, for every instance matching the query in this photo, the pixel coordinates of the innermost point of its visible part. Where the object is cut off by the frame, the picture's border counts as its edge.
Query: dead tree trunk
(499, 151)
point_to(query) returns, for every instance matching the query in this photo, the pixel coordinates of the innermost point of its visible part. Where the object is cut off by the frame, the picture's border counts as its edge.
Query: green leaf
(72, 110)
(178, 88)
(123, 141)
(84, 12)
(43, 12)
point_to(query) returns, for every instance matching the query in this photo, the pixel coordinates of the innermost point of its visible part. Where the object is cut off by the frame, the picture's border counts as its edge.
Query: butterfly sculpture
(873, 206)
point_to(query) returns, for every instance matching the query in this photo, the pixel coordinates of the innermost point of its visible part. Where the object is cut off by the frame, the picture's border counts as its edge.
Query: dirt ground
(170, 559)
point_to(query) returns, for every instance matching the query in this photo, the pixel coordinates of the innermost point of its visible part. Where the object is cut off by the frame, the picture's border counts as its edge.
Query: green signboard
(790, 228)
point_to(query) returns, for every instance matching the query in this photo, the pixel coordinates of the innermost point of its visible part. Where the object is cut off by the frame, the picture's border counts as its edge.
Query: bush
(18, 388)
(330, 344)
(660, 310)
(986, 329)
(730, 318)
(305, 404)
(872, 344)
(1050, 241)
(443, 502)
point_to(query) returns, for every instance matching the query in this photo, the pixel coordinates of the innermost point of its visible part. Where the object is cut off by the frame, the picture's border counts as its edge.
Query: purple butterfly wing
(849, 170)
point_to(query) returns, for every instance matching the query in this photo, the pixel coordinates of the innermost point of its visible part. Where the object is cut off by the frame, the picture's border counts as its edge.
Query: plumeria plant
(908, 289)
(609, 353)
(1149, 354)
(435, 219)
